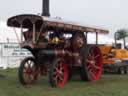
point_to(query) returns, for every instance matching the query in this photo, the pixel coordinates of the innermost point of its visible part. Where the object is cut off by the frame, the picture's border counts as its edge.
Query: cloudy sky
(109, 14)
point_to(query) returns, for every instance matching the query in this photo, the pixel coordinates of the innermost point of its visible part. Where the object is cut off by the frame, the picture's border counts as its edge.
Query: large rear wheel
(91, 63)
(58, 74)
(28, 71)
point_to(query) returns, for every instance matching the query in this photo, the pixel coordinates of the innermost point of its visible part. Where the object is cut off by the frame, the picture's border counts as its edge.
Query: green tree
(121, 34)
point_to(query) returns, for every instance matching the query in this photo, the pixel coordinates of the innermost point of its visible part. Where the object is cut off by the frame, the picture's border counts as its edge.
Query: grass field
(108, 85)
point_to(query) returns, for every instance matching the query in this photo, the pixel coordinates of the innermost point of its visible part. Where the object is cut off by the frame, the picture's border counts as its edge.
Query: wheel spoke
(29, 79)
(96, 56)
(30, 62)
(90, 55)
(56, 69)
(97, 67)
(92, 52)
(93, 76)
(61, 67)
(56, 80)
(88, 67)
(25, 69)
(56, 76)
(28, 65)
(61, 77)
(90, 62)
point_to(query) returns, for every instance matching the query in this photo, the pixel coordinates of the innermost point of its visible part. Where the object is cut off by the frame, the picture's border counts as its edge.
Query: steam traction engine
(58, 47)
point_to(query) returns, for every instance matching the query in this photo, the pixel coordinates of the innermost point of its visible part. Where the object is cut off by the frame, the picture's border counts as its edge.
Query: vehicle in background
(115, 58)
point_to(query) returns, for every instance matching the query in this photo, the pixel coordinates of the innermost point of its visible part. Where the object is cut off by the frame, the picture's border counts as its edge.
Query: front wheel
(28, 71)
(58, 74)
(91, 63)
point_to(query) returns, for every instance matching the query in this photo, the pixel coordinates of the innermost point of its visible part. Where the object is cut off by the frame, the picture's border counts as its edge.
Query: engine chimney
(45, 8)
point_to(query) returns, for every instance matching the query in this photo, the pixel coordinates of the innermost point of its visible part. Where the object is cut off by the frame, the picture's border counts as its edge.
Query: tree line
(121, 34)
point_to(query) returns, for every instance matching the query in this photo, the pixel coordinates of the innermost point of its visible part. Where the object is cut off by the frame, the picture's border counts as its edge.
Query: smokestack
(45, 8)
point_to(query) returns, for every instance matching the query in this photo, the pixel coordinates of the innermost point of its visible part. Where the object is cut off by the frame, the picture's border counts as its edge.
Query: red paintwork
(30, 72)
(94, 64)
(61, 74)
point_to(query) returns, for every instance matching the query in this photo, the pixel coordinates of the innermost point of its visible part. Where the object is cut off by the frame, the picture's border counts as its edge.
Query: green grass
(108, 85)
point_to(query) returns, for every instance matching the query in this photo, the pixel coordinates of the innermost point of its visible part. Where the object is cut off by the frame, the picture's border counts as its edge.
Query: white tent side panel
(11, 55)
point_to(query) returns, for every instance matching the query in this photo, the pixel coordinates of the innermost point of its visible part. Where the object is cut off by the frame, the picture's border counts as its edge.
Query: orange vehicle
(115, 59)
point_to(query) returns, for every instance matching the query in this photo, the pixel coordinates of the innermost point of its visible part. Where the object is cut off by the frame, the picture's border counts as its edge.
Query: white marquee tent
(10, 52)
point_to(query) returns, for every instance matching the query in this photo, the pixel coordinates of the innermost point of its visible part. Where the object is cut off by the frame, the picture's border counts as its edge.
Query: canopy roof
(26, 20)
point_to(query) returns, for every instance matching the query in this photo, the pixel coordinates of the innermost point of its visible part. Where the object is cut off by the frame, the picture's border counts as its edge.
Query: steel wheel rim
(94, 63)
(30, 71)
(60, 74)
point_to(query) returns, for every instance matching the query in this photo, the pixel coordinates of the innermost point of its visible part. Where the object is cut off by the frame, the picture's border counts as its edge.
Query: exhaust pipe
(45, 8)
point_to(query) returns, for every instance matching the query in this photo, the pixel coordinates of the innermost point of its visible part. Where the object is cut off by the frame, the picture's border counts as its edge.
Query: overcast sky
(109, 14)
